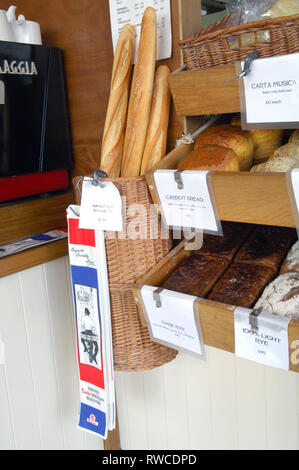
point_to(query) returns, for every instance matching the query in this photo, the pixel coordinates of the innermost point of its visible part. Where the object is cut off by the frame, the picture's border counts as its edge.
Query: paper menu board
(131, 11)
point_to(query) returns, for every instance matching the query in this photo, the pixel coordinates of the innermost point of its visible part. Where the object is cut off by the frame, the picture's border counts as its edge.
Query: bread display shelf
(216, 319)
(205, 91)
(258, 198)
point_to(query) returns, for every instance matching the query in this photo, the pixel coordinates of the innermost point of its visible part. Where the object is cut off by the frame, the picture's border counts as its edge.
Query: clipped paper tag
(270, 93)
(268, 344)
(173, 323)
(187, 200)
(101, 207)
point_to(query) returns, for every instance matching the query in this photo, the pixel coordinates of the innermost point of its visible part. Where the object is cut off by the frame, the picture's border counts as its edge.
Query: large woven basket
(128, 260)
(219, 44)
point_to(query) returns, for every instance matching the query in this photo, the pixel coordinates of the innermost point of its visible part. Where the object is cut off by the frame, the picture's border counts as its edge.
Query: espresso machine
(35, 140)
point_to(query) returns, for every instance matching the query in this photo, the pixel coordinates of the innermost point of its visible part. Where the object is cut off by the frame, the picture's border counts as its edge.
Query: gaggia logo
(92, 420)
(18, 68)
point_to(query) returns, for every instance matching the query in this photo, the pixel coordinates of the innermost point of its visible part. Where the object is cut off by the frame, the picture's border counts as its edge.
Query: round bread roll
(210, 157)
(231, 137)
(294, 137)
(266, 141)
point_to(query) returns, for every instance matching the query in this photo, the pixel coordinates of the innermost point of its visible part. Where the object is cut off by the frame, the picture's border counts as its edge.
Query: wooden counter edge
(33, 257)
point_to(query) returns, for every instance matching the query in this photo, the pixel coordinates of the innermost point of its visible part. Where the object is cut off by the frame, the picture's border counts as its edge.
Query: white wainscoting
(39, 391)
(221, 403)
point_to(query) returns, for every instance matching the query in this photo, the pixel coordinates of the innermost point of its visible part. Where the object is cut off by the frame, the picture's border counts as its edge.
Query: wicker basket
(128, 260)
(219, 44)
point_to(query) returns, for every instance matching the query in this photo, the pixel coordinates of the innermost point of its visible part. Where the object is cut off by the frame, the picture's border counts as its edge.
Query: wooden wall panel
(82, 29)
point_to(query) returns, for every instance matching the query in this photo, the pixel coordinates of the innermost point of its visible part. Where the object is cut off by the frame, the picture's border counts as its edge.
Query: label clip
(178, 179)
(157, 298)
(253, 317)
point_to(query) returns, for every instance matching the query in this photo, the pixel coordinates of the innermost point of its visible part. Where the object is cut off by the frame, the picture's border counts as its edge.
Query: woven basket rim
(120, 179)
(238, 29)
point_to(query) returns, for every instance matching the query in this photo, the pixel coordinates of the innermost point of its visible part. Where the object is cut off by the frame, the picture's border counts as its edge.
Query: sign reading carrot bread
(187, 200)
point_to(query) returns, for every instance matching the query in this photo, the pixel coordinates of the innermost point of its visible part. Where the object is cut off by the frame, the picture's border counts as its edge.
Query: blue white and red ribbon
(94, 336)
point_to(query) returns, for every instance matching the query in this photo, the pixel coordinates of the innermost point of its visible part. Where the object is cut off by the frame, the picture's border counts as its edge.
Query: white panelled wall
(39, 399)
(221, 403)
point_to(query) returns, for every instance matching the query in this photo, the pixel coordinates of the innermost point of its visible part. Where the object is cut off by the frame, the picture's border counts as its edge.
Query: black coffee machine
(35, 141)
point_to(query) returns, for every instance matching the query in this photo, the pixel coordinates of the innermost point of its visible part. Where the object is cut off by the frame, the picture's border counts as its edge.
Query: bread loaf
(266, 246)
(291, 263)
(283, 159)
(196, 275)
(281, 297)
(231, 137)
(241, 284)
(141, 96)
(294, 137)
(115, 123)
(156, 139)
(210, 157)
(266, 141)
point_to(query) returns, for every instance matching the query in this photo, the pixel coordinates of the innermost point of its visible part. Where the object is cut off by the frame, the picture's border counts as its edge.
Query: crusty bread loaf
(291, 263)
(281, 297)
(277, 165)
(141, 96)
(266, 141)
(196, 275)
(210, 157)
(115, 123)
(231, 137)
(156, 139)
(241, 284)
(284, 158)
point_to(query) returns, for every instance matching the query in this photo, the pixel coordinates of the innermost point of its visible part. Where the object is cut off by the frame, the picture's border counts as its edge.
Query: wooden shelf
(33, 257)
(258, 198)
(24, 219)
(216, 319)
(200, 92)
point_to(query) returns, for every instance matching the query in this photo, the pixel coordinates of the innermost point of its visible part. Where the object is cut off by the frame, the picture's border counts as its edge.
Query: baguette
(156, 139)
(115, 123)
(141, 96)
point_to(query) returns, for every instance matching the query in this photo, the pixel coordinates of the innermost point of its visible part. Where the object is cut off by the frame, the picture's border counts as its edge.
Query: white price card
(271, 92)
(101, 207)
(186, 200)
(173, 323)
(131, 11)
(268, 345)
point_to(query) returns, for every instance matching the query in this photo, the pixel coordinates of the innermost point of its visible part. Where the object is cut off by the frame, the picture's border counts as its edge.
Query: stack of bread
(234, 269)
(227, 147)
(135, 131)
